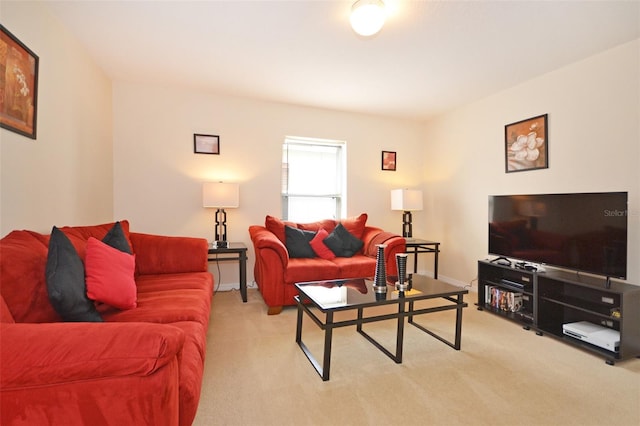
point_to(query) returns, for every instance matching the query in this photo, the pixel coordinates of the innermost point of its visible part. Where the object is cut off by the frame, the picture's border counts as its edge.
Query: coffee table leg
(299, 324)
(435, 262)
(328, 335)
(400, 334)
(458, 341)
(410, 317)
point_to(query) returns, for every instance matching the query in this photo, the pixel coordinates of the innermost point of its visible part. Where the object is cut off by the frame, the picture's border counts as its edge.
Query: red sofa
(141, 366)
(276, 272)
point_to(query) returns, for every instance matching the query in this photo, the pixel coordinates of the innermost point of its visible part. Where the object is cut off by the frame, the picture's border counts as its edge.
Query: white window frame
(341, 157)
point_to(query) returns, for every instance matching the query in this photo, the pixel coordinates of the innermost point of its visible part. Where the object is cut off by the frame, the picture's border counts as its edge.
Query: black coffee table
(320, 300)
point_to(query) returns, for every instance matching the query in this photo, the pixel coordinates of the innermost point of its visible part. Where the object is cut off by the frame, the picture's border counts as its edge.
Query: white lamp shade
(406, 199)
(367, 17)
(220, 195)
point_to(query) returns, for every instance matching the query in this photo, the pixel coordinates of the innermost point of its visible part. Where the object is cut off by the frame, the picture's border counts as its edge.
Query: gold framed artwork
(18, 85)
(526, 145)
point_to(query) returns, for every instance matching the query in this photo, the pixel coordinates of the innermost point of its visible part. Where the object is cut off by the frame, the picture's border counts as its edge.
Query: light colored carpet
(255, 374)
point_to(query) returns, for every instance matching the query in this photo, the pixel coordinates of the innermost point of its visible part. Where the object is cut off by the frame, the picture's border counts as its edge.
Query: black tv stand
(547, 301)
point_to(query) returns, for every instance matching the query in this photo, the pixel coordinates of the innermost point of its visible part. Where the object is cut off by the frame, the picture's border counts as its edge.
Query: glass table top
(354, 292)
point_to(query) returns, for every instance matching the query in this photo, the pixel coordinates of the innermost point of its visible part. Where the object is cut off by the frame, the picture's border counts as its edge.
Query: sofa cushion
(342, 242)
(301, 270)
(165, 307)
(356, 266)
(5, 313)
(158, 282)
(65, 281)
(109, 275)
(23, 257)
(275, 225)
(328, 224)
(160, 254)
(319, 247)
(78, 235)
(355, 225)
(297, 242)
(189, 300)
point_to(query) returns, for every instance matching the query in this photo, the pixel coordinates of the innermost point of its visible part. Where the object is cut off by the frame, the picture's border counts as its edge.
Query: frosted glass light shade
(406, 199)
(220, 195)
(367, 17)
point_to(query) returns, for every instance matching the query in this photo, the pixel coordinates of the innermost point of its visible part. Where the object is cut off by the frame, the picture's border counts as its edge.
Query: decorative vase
(401, 263)
(380, 279)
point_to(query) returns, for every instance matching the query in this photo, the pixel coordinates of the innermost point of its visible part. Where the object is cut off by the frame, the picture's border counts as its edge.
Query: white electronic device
(594, 334)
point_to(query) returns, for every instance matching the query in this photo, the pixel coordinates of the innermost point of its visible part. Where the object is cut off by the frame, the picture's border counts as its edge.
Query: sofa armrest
(158, 254)
(45, 354)
(263, 239)
(373, 236)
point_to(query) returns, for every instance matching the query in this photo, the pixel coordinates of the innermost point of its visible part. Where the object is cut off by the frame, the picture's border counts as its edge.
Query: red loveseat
(140, 366)
(276, 272)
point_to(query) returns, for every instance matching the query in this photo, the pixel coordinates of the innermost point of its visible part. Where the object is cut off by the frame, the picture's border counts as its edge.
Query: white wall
(157, 180)
(64, 177)
(73, 174)
(594, 145)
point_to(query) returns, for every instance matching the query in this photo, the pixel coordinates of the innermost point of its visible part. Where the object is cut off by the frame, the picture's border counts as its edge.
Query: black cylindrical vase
(380, 278)
(401, 263)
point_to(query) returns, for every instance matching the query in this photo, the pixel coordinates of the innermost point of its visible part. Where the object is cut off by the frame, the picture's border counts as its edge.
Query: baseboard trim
(450, 280)
(227, 287)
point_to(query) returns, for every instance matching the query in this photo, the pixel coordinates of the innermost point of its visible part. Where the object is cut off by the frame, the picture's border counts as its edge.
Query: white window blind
(313, 179)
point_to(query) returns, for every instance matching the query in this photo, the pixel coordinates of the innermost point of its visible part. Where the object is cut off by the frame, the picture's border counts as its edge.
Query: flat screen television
(581, 231)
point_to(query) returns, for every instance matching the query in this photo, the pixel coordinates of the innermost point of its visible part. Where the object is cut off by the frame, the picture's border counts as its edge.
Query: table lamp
(220, 195)
(406, 200)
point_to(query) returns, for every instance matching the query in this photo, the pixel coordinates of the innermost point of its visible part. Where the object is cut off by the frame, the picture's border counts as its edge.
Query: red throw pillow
(319, 247)
(109, 275)
(276, 226)
(355, 225)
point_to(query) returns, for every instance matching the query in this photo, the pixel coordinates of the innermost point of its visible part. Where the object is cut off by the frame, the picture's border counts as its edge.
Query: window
(313, 179)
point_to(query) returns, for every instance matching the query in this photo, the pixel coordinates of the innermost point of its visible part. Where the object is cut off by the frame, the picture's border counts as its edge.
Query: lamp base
(220, 244)
(407, 228)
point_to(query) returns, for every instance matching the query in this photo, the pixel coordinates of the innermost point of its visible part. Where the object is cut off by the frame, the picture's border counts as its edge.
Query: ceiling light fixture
(367, 17)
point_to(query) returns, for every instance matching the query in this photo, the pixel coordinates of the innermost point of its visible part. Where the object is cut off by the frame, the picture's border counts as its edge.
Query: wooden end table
(234, 251)
(416, 246)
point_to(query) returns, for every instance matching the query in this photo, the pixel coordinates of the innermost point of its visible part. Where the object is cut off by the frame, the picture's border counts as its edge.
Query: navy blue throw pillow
(342, 242)
(116, 239)
(297, 242)
(65, 281)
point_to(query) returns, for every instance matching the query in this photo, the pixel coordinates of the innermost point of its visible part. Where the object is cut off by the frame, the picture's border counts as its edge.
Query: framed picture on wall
(526, 145)
(206, 144)
(389, 160)
(19, 92)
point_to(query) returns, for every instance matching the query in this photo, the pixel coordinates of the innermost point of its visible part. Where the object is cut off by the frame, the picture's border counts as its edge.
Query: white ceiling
(431, 56)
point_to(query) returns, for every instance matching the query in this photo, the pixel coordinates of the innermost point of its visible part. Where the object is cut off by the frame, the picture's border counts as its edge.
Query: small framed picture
(206, 144)
(389, 160)
(526, 145)
(19, 88)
